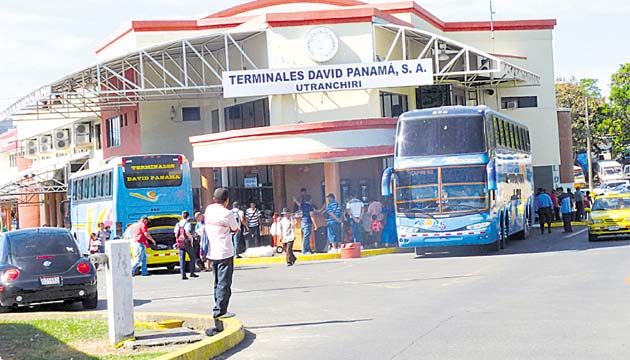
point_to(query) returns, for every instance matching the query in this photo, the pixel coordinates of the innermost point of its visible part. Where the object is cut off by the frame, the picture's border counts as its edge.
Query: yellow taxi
(162, 254)
(609, 216)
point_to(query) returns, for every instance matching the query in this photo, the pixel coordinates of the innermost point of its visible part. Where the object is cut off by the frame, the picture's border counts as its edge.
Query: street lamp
(588, 148)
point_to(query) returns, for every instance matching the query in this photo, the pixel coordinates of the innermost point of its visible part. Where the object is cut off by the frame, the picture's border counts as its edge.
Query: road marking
(576, 233)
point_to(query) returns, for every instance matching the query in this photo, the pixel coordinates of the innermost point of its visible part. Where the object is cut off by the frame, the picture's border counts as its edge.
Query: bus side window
(489, 134)
(529, 145)
(79, 189)
(517, 135)
(501, 134)
(108, 176)
(99, 186)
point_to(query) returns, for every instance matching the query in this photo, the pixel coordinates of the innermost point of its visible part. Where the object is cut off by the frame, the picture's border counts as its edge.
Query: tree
(617, 123)
(571, 94)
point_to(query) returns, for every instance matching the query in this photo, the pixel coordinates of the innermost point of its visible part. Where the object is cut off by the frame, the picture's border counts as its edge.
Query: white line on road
(575, 234)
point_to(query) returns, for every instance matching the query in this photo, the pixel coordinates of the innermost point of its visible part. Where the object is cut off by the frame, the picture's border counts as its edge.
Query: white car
(607, 187)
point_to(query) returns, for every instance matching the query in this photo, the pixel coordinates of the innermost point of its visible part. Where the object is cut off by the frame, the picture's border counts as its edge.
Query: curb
(231, 336)
(313, 257)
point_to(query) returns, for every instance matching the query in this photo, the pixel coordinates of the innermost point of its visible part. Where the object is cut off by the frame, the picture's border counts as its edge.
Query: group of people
(561, 206)
(214, 232)
(97, 240)
(377, 222)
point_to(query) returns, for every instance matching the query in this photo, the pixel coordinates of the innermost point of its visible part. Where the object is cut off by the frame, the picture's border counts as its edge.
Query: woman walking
(200, 230)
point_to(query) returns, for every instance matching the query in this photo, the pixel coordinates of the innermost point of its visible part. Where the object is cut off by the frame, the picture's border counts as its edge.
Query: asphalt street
(552, 296)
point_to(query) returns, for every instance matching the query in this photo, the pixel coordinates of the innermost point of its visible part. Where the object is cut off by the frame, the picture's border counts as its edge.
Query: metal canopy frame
(467, 65)
(184, 69)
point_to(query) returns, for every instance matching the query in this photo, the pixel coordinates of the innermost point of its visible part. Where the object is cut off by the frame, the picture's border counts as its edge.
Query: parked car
(41, 265)
(606, 187)
(609, 216)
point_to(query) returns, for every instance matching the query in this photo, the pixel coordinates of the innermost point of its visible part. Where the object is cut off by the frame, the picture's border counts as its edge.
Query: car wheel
(91, 302)
(592, 237)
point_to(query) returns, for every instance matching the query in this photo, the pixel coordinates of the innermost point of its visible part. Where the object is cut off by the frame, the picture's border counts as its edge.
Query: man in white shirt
(220, 224)
(354, 208)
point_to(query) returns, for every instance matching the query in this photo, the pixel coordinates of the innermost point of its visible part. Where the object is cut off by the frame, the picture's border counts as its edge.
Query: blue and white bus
(461, 176)
(120, 192)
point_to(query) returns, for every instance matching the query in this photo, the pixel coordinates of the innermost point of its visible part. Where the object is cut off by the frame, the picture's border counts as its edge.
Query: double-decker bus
(120, 192)
(461, 176)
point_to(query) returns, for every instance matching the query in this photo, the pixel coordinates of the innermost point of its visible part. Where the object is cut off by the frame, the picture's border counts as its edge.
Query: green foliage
(53, 339)
(609, 118)
(572, 94)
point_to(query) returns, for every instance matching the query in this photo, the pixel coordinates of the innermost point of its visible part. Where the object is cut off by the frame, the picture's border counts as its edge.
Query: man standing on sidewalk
(543, 207)
(220, 224)
(354, 207)
(579, 204)
(565, 209)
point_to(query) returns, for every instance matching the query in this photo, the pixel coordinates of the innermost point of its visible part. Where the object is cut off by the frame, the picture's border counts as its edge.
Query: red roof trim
(509, 56)
(261, 4)
(114, 40)
(545, 24)
(355, 14)
(293, 158)
(294, 129)
(411, 7)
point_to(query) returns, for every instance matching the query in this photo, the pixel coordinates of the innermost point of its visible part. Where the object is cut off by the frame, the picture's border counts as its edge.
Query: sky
(42, 40)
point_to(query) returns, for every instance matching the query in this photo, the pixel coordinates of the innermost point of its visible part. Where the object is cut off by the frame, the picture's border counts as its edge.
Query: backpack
(180, 238)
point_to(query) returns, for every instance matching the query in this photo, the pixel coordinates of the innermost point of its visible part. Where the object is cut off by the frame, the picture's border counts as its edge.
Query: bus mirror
(491, 172)
(386, 182)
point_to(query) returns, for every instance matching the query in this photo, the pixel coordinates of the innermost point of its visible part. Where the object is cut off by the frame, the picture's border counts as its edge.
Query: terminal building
(269, 97)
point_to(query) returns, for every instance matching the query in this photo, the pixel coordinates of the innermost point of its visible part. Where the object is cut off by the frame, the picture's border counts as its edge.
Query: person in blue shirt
(308, 224)
(544, 206)
(566, 209)
(332, 211)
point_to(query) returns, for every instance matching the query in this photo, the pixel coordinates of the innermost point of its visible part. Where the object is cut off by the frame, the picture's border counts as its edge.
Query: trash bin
(351, 250)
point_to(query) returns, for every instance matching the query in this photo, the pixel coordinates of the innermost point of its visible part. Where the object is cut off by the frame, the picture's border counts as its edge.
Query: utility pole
(588, 148)
(491, 20)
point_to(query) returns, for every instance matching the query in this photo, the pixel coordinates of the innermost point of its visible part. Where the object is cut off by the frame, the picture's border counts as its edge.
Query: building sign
(152, 171)
(327, 78)
(250, 182)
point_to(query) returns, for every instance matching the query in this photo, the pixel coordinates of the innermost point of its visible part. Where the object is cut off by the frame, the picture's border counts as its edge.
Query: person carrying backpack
(184, 243)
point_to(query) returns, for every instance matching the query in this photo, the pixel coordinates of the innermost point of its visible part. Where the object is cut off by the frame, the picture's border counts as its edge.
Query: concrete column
(207, 187)
(565, 138)
(59, 197)
(331, 179)
(119, 291)
(279, 188)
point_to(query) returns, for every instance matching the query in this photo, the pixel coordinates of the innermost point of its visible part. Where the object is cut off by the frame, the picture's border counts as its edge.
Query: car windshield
(28, 245)
(611, 204)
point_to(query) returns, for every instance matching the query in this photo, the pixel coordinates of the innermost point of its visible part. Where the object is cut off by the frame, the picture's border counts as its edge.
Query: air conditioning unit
(511, 105)
(82, 132)
(61, 139)
(45, 143)
(31, 147)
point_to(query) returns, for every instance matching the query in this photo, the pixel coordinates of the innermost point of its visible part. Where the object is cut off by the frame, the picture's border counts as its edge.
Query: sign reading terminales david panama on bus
(327, 78)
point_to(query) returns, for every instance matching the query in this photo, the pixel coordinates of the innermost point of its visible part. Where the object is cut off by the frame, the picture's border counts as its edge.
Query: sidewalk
(279, 258)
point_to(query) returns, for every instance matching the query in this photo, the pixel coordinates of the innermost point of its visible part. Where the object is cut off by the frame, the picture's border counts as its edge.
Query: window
(215, 121)
(107, 184)
(13, 160)
(503, 133)
(513, 136)
(497, 131)
(392, 105)
(246, 115)
(113, 131)
(125, 117)
(99, 186)
(519, 102)
(135, 117)
(191, 113)
(80, 189)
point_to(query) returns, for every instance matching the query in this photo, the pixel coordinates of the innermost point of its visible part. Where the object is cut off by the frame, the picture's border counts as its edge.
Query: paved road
(548, 297)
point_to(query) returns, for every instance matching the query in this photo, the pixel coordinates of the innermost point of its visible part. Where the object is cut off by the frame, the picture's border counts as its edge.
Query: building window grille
(392, 105)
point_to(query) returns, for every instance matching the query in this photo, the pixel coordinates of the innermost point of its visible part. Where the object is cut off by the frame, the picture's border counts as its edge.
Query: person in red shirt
(140, 236)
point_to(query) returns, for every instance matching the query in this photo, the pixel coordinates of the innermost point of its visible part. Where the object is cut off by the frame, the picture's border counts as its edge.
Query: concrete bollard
(119, 291)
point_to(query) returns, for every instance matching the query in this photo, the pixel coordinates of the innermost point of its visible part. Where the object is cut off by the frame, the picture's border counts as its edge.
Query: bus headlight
(478, 226)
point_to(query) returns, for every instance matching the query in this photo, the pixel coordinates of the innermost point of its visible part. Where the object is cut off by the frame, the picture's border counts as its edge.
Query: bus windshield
(442, 190)
(443, 135)
(152, 171)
